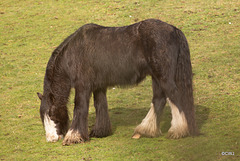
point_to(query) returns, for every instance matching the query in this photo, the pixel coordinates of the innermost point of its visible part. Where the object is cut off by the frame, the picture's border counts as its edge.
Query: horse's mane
(58, 52)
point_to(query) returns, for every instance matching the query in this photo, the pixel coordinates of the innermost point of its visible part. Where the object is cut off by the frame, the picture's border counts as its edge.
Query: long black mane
(56, 54)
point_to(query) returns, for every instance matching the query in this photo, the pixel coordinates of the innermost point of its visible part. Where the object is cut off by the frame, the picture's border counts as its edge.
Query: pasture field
(31, 29)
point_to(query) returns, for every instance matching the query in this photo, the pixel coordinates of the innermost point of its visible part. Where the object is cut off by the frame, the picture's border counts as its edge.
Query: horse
(96, 57)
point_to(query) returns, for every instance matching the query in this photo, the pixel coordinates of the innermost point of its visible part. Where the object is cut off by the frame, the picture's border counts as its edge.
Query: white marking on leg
(72, 137)
(149, 126)
(51, 130)
(69, 133)
(179, 127)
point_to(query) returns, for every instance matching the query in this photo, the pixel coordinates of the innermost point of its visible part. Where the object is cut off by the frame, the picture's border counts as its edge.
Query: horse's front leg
(78, 132)
(102, 127)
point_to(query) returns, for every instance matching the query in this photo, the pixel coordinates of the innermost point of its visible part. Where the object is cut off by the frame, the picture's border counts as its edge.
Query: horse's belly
(124, 74)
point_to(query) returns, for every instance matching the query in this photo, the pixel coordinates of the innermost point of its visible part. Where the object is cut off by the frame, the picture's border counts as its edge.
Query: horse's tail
(183, 80)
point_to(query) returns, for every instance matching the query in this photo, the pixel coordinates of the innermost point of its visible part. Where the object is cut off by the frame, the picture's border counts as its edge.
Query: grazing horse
(96, 57)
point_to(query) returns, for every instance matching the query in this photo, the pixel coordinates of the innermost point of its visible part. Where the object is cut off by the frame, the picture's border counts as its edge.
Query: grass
(30, 30)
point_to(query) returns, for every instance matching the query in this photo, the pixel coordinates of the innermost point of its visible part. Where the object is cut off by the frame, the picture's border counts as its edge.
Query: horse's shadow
(127, 117)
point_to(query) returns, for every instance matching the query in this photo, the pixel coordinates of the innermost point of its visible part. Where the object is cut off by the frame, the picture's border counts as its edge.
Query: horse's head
(47, 112)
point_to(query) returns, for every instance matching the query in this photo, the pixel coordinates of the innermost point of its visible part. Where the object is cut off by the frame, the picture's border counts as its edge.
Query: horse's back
(117, 55)
(113, 55)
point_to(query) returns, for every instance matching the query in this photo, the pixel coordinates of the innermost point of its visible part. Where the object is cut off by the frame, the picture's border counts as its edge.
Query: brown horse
(96, 57)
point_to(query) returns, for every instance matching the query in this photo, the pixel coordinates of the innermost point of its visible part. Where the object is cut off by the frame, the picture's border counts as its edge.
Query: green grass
(29, 32)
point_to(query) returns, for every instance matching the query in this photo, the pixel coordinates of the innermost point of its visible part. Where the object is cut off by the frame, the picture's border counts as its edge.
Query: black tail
(183, 81)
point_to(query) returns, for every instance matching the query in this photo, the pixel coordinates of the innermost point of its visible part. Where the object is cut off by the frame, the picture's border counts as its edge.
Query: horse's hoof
(136, 136)
(177, 134)
(73, 137)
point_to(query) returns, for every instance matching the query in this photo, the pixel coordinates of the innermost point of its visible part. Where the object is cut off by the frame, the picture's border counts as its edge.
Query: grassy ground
(30, 30)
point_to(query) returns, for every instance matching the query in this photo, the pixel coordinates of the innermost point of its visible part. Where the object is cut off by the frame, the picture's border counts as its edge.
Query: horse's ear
(40, 96)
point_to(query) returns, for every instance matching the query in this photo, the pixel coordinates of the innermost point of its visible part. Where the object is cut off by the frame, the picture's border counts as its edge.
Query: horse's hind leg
(78, 131)
(179, 125)
(102, 127)
(150, 125)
